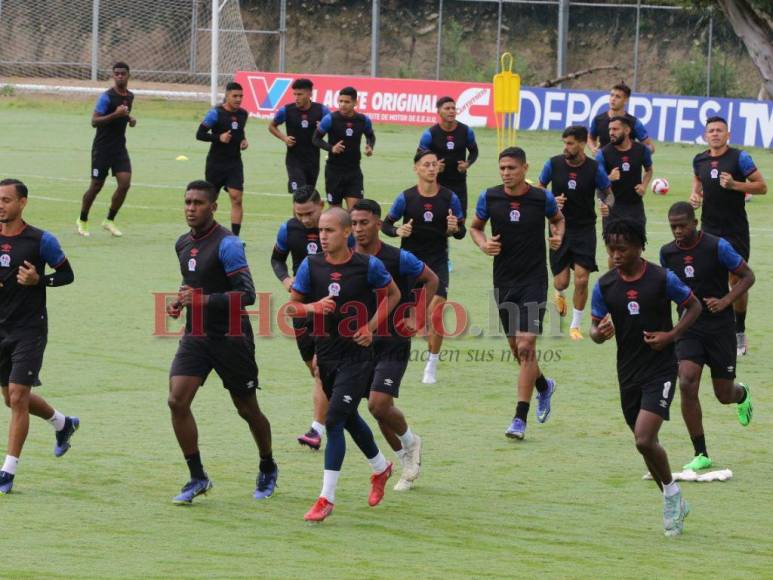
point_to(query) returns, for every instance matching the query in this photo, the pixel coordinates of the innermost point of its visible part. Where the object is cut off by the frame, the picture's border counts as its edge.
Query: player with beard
(598, 136)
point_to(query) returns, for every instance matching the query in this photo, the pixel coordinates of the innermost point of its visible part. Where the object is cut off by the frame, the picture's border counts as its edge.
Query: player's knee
(644, 443)
(688, 386)
(177, 405)
(526, 352)
(18, 398)
(581, 279)
(561, 283)
(378, 408)
(6, 398)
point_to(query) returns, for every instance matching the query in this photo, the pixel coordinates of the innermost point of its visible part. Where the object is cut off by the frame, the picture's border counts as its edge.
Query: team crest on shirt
(450, 143)
(626, 166)
(305, 121)
(428, 215)
(633, 305)
(572, 184)
(312, 248)
(334, 289)
(234, 123)
(192, 260)
(5, 260)
(714, 173)
(689, 272)
(515, 213)
(349, 130)
(330, 198)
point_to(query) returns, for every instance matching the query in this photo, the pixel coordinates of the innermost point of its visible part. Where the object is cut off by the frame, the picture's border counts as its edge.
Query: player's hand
(225, 137)
(132, 122)
(406, 326)
(593, 150)
(406, 229)
(696, 200)
(462, 166)
(657, 340)
(492, 246)
(288, 283)
(614, 174)
(27, 275)
(561, 200)
(185, 295)
(452, 223)
(715, 304)
(363, 336)
(368, 150)
(174, 309)
(289, 141)
(555, 242)
(441, 165)
(604, 208)
(640, 189)
(606, 327)
(324, 306)
(121, 111)
(338, 148)
(244, 144)
(726, 180)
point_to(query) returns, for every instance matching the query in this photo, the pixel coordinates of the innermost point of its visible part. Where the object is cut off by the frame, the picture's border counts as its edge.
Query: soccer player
(451, 141)
(632, 303)
(302, 119)
(298, 237)
(599, 137)
(337, 288)
(223, 127)
(215, 274)
(108, 153)
(517, 212)
(722, 177)
(702, 262)
(24, 253)
(430, 213)
(345, 129)
(575, 179)
(393, 352)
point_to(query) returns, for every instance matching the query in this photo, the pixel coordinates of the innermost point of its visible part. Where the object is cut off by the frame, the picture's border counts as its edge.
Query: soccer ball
(660, 186)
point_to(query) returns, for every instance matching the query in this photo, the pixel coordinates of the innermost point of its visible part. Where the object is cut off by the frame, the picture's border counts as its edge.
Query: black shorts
(439, 265)
(629, 211)
(300, 173)
(228, 174)
(345, 384)
(738, 238)
(522, 308)
(303, 338)
(343, 182)
(715, 348)
(104, 161)
(231, 357)
(21, 358)
(654, 396)
(392, 358)
(578, 248)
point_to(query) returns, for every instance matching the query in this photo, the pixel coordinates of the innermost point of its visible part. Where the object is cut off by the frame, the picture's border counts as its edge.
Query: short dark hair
(682, 208)
(623, 88)
(21, 189)
(370, 205)
(121, 64)
(349, 92)
(632, 231)
(205, 187)
(421, 153)
(577, 131)
(624, 120)
(716, 119)
(302, 84)
(233, 86)
(306, 193)
(344, 219)
(515, 152)
(443, 100)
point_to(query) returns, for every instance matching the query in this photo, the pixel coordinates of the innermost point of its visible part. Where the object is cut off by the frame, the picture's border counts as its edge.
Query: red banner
(399, 101)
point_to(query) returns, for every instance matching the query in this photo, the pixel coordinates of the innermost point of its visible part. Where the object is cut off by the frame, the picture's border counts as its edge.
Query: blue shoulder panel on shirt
(103, 104)
(378, 277)
(456, 206)
(647, 159)
(368, 124)
(210, 119)
(398, 207)
(470, 136)
(326, 123)
(281, 238)
(640, 131)
(598, 307)
(350, 241)
(302, 282)
(551, 207)
(602, 179)
(676, 290)
(481, 208)
(600, 158)
(425, 141)
(325, 111)
(231, 254)
(728, 257)
(546, 175)
(280, 116)
(50, 250)
(410, 265)
(746, 164)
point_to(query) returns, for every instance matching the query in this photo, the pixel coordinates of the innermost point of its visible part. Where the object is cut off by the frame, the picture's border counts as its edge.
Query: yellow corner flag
(507, 102)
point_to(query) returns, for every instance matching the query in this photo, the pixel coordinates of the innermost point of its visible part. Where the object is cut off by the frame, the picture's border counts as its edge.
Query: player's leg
(435, 334)
(123, 183)
(333, 186)
(561, 283)
(82, 223)
(246, 403)
(305, 342)
(721, 359)
(689, 382)
(579, 299)
(739, 309)
(237, 209)
(17, 399)
(524, 347)
(353, 188)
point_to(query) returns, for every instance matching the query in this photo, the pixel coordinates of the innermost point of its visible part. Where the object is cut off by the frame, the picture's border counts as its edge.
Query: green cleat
(698, 462)
(745, 409)
(83, 228)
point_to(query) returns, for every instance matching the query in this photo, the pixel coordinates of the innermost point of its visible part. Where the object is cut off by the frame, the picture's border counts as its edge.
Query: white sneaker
(412, 465)
(429, 377)
(742, 344)
(109, 225)
(403, 485)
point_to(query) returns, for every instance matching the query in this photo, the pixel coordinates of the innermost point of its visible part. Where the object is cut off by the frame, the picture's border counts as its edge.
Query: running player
(632, 303)
(108, 153)
(24, 253)
(215, 273)
(337, 288)
(599, 129)
(302, 118)
(223, 127)
(345, 128)
(722, 177)
(575, 179)
(430, 213)
(451, 141)
(702, 262)
(517, 212)
(393, 352)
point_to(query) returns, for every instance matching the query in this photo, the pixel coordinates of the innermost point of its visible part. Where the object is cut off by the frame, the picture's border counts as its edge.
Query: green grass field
(566, 502)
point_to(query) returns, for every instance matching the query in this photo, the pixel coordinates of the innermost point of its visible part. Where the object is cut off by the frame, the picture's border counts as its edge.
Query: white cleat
(429, 377)
(412, 465)
(403, 485)
(109, 225)
(83, 228)
(742, 344)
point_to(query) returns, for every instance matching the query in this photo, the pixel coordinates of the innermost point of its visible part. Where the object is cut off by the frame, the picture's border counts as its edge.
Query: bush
(690, 75)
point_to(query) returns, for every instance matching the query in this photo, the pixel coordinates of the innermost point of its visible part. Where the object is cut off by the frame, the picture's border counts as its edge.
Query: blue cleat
(63, 437)
(543, 401)
(193, 488)
(6, 482)
(517, 429)
(266, 484)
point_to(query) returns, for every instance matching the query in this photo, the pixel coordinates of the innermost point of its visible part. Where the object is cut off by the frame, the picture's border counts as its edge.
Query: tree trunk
(755, 31)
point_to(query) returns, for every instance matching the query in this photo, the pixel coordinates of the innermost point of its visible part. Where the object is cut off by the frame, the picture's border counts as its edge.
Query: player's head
(347, 100)
(335, 227)
(200, 203)
(513, 167)
(574, 141)
(13, 199)
(619, 130)
(366, 221)
(425, 164)
(307, 206)
(625, 240)
(618, 96)
(446, 109)
(234, 93)
(681, 218)
(302, 92)
(716, 134)
(120, 74)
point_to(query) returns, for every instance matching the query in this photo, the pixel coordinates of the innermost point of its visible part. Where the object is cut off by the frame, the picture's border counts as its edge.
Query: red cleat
(377, 484)
(322, 508)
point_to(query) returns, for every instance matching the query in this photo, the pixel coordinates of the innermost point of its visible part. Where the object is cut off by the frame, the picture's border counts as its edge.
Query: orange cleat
(320, 510)
(377, 484)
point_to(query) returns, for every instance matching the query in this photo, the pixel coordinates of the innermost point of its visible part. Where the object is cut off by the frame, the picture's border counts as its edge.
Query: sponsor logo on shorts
(250, 384)
(663, 403)
(388, 382)
(347, 398)
(95, 172)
